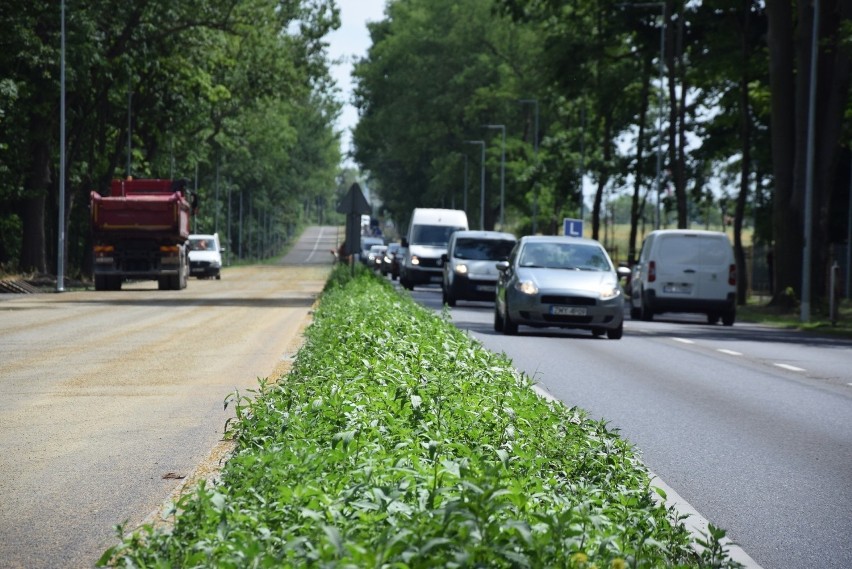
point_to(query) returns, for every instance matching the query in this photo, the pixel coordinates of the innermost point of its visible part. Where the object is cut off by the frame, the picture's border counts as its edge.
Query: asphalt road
(750, 425)
(112, 399)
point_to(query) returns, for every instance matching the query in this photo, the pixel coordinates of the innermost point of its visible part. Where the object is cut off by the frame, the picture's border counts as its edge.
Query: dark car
(556, 281)
(392, 260)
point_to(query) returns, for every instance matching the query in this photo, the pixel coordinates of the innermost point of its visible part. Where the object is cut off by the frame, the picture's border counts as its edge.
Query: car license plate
(677, 288)
(486, 288)
(568, 310)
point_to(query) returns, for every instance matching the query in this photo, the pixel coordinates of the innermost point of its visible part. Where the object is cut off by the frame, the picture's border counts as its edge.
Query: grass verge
(396, 440)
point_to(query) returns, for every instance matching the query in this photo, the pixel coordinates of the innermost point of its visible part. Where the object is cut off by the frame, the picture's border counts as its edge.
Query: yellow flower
(579, 558)
(618, 563)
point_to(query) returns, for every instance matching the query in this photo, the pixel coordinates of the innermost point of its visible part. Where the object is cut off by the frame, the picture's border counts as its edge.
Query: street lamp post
(60, 256)
(502, 127)
(481, 183)
(534, 102)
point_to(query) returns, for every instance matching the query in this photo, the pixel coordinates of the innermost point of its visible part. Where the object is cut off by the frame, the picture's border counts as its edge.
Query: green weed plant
(397, 441)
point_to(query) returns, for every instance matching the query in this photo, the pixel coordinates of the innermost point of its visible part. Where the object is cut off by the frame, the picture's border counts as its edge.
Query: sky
(347, 43)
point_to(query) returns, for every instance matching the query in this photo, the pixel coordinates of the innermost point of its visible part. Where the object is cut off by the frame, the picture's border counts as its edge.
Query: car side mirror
(623, 271)
(444, 257)
(404, 242)
(502, 266)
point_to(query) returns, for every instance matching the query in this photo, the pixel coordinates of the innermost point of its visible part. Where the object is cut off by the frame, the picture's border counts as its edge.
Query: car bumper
(465, 288)
(568, 312)
(680, 304)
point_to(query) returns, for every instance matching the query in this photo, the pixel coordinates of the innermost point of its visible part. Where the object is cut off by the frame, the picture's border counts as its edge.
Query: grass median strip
(396, 440)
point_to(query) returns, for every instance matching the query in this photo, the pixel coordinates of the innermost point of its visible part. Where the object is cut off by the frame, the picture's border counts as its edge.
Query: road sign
(572, 227)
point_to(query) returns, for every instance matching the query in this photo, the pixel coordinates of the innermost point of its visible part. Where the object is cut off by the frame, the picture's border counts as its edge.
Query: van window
(694, 250)
(437, 235)
(473, 249)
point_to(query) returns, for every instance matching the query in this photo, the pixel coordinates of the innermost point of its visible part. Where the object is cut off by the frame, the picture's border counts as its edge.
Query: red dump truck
(140, 232)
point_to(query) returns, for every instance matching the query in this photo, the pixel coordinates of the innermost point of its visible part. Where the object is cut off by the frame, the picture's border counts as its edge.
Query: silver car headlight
(526, 287)
(609, 290)
(415, 260)
(461, 269)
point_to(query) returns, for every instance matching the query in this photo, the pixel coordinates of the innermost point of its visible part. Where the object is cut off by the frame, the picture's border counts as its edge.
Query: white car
(205, 256)
(470, 271)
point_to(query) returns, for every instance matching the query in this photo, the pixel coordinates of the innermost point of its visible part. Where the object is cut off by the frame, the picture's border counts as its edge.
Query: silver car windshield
(568, 256)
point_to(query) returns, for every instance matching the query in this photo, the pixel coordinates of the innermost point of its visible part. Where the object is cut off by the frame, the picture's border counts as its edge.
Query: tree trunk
(787, 214)
(33, 250)
(636, 209)
(745, 164)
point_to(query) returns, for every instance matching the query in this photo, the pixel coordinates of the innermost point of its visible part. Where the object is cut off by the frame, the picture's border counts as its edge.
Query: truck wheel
(114, 282)
(728, 317)
(164, 283)
(101, 282)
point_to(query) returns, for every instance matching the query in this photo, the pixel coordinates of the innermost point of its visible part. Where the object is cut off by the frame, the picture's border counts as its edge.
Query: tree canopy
(234, 95)
(692, 109)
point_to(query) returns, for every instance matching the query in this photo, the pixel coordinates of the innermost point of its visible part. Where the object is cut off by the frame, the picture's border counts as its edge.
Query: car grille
(567, 319)
(568, 300)
(426, 263)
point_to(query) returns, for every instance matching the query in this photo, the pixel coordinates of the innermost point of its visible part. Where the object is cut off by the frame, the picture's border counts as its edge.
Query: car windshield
(202, 245)
(473, 249)
(573, 256)
(435, 235)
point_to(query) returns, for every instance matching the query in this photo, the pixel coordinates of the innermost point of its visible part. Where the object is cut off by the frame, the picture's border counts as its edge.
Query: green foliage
(398, 441)
(235, 91)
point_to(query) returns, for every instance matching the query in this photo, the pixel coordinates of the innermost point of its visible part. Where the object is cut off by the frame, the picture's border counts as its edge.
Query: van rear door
(716, 258)
(678, 264)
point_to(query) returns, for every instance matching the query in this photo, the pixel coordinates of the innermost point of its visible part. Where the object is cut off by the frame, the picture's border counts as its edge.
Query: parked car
(470, 270)
(683, 270)
(205, 256)
(557, 281)
(392, 260)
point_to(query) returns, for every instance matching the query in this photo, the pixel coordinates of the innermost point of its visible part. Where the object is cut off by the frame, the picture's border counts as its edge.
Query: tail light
(652, 271)
(101, 249)
(732, 275)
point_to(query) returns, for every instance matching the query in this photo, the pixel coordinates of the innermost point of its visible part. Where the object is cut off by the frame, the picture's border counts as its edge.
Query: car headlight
(415, 260)
(609, 290)
(461, 269)
(526, 287)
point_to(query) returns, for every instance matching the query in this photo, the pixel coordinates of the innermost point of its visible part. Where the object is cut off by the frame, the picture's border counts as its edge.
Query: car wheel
(712, 318)
(498, 320)
(597, 332)
(645, 312)
(101, 282)
(635, 312)
(509, 328)
(615, 333)
(449, 299)
(728, 317)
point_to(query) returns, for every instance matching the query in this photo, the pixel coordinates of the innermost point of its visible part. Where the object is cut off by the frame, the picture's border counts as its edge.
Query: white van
(205, 256)
(428, 234)
(681, 270)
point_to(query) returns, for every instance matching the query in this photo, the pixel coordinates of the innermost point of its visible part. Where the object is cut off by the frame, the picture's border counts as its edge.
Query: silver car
(555, 281)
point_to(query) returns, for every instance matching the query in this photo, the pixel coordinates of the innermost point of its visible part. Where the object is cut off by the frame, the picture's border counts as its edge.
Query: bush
(398, 441)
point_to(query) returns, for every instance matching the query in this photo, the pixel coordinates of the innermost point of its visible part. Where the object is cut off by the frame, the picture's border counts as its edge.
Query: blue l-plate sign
(572, 227)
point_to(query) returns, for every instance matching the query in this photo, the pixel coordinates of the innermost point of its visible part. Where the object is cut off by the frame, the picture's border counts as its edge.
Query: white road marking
(316, 244)
(729, 352)
(683, 340)
(789, 367)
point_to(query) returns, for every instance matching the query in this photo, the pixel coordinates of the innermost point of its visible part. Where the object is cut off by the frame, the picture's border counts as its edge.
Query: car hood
(426, 251)
(210, 256)
(564, 279)
(480, 268)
